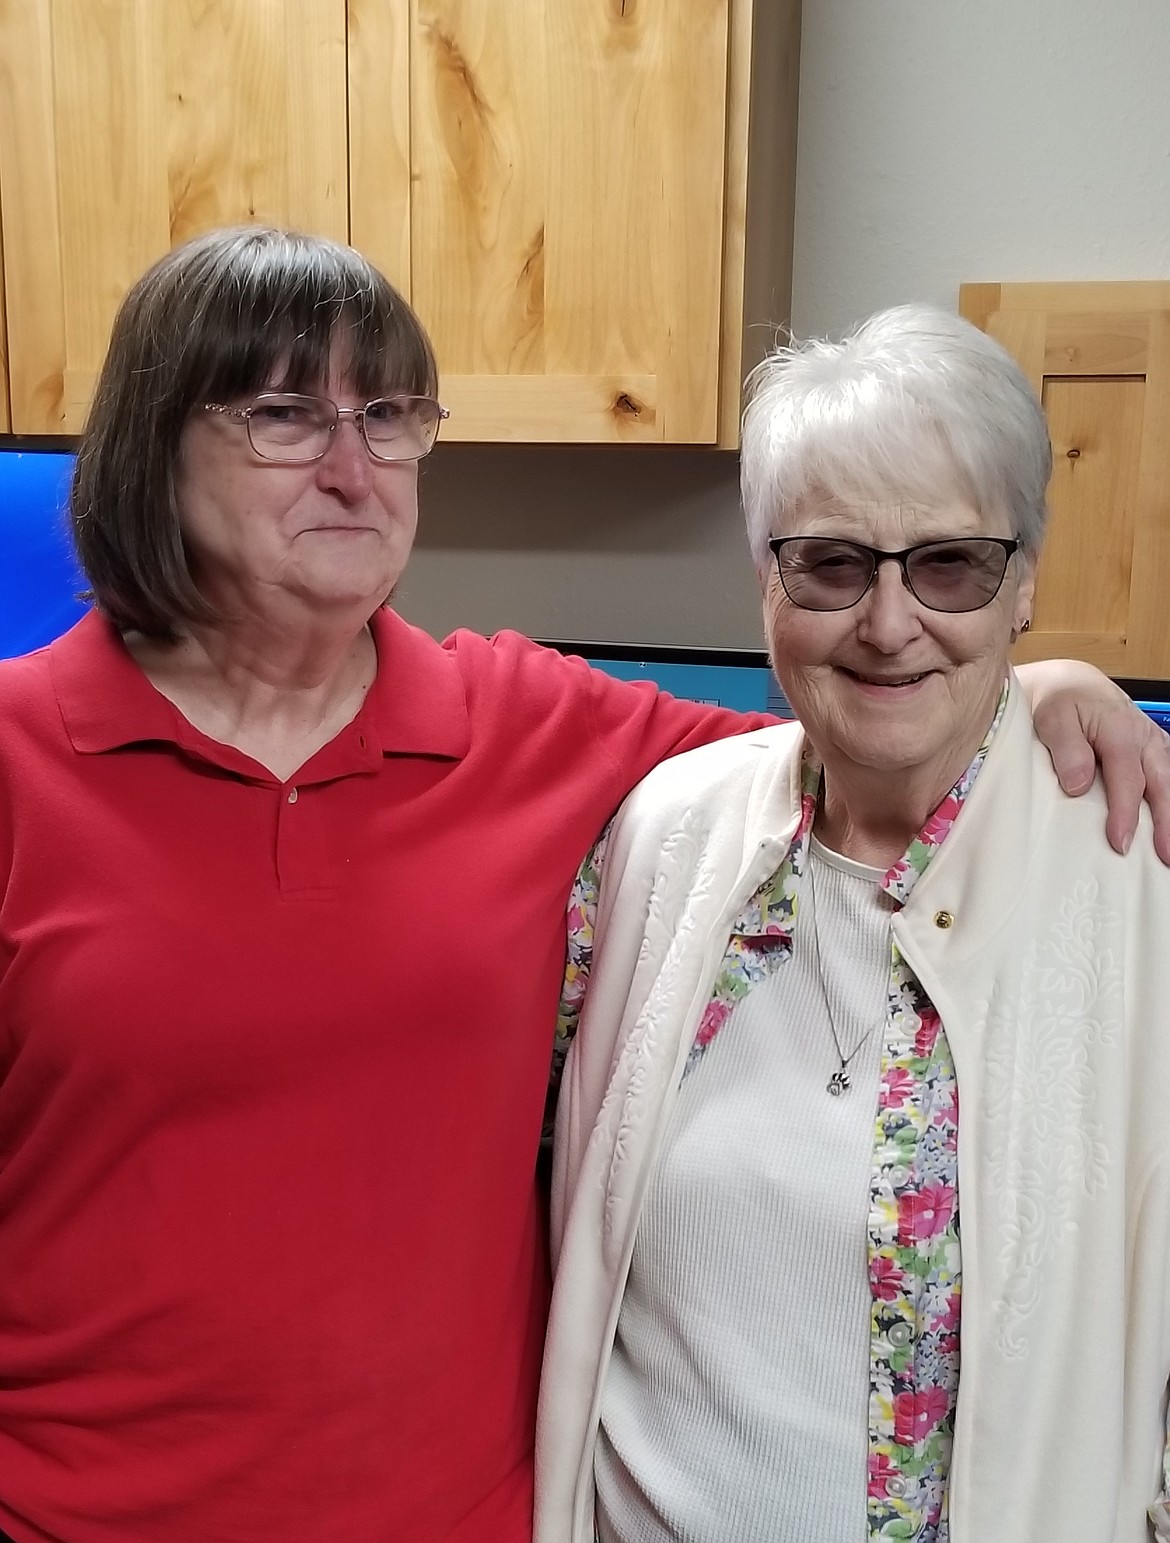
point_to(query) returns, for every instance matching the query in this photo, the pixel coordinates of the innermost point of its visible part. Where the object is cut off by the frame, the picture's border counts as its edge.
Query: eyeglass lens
(823, 575)
(289, 427)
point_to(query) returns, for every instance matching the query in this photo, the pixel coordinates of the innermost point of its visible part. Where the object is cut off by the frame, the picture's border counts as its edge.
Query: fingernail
(1126, 843)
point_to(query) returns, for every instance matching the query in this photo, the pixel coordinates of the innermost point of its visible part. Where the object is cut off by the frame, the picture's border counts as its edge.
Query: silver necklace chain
(841, 1081)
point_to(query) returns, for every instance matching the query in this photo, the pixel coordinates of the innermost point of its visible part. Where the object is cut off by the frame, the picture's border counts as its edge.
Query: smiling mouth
(888, 680)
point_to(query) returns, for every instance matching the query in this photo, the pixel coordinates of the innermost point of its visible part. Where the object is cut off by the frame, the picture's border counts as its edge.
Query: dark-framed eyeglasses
(964, 573)
(290, 427)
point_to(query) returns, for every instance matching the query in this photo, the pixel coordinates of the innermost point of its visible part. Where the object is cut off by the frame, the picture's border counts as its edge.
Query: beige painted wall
(603, 543)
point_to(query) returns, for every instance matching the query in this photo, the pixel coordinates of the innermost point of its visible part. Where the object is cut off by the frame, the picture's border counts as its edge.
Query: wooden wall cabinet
(1098, 356)
(127, 126)
(559, 186)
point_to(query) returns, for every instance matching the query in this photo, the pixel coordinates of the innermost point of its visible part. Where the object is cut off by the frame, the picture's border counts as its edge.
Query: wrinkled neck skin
(872, 814)
(277, 689)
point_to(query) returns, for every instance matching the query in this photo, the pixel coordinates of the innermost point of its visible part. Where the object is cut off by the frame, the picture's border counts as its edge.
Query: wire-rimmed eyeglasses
(287, 426)
(820, 573)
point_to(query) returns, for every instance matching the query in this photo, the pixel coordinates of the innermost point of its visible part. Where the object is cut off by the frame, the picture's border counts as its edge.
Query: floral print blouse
(913, 1226)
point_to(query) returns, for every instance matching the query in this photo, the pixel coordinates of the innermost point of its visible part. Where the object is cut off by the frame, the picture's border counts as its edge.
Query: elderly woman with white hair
(876, 1026)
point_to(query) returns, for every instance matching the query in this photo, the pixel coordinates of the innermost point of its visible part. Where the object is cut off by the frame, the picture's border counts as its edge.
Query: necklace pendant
(838, 1083)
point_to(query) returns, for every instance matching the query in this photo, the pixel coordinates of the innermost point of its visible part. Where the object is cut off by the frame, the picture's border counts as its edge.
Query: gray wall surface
(621, 543)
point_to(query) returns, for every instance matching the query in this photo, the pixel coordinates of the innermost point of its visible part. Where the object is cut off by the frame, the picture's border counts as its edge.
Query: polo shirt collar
(416, 705)
(105, 699)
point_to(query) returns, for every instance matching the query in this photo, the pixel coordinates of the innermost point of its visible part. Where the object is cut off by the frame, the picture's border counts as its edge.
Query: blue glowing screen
(39, 579)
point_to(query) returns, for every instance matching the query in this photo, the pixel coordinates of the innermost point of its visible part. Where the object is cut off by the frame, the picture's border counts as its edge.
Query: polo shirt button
(944, 919)
(899, 1176)
(896, 1486)
(293, 796)
(900, 1334)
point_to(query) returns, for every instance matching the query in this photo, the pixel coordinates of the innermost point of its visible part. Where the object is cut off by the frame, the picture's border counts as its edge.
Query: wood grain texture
(741, 26)
(1097, 344)
(34, 292)
(978, 302)
(108, 94)
(479, 138)
(255, 112)
(5, 405)
(694, 97)
(143, 124)
(1023, 334)
(1149, 607)
(1107, 651)
(379, 135)
(553, 409)
(1110, 296)
(1099, 354)
(1085, 571)
(567, 210)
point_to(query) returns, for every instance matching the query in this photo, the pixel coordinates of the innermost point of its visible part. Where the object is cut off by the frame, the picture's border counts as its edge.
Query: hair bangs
(882, 455)
(299, 309)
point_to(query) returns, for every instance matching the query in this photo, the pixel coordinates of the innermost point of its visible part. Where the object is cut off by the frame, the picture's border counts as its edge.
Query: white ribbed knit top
(736, 1402)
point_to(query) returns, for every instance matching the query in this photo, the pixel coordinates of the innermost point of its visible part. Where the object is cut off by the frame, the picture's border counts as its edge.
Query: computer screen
(740, 678)
(40, 581)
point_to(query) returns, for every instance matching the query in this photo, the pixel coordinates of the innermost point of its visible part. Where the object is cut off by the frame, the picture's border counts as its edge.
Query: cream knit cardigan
(1048, 959)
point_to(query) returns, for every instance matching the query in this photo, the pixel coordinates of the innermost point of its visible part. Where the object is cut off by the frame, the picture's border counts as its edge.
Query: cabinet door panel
(34, 297)
(595, 409)
(1099, 357)
(1096, 426)
(379, 135)
(566, 210)
(127, 126)
(5, 420)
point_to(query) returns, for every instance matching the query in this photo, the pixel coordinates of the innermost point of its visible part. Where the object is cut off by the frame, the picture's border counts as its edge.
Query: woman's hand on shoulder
(1083, 718)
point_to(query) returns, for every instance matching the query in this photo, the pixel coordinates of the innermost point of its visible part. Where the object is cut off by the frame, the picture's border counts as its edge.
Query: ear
(1025, 596)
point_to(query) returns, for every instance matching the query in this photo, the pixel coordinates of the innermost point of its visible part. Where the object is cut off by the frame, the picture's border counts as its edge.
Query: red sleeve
(632, 725)
(640, 725)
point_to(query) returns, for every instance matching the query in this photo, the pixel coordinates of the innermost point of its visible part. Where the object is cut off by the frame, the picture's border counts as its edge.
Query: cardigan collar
(771, 912)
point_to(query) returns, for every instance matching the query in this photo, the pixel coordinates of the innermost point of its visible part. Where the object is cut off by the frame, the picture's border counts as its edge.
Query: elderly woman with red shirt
(282, 886)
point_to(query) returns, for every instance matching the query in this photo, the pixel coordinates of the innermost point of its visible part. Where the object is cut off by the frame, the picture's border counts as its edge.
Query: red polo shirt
(272, 1066)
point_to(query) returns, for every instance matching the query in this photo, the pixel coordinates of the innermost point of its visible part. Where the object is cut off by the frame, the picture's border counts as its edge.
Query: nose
(345, 468)
(889, 613)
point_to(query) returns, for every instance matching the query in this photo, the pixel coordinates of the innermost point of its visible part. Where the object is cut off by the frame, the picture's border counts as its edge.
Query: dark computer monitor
(730, 677)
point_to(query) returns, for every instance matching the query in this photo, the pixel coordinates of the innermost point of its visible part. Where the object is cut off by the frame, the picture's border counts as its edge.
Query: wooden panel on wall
(479, 132)
(588, 409)
(28, 195)
(567, 203)
(108, 93)
(692, 107)
(137, 125)
(1149, 630)
(1099, 357)
(5, 419)
(1096, 428)
(379, 135)
(735, 211)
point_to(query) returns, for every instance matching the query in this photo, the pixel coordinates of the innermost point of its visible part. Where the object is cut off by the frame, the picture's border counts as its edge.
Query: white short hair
(915, 405)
